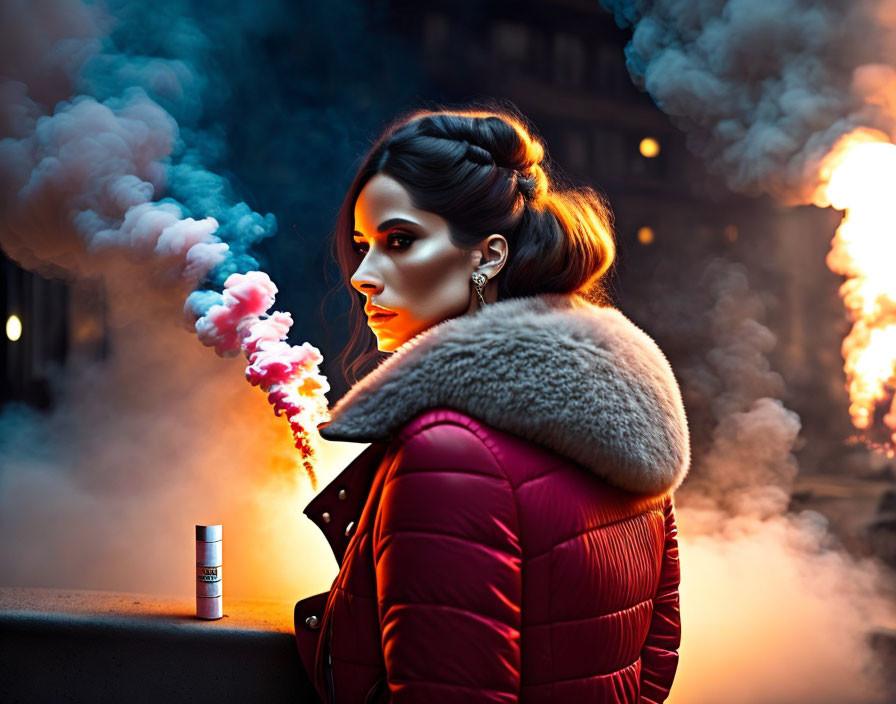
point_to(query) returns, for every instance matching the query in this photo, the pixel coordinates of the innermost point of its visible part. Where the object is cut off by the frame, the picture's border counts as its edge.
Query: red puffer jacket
(509, 535)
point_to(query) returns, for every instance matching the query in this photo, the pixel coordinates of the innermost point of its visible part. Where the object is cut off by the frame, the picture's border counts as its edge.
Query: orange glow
(649, 148)
(859, 178)
(646, 235)
(271, 550)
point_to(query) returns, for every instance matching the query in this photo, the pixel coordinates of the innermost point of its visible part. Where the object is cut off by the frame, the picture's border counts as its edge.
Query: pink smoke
(288, 373)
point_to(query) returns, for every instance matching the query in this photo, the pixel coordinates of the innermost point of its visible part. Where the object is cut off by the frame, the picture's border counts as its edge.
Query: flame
(859, 178)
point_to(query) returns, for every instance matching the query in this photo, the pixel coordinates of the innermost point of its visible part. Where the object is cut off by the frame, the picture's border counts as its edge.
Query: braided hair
(484, 172)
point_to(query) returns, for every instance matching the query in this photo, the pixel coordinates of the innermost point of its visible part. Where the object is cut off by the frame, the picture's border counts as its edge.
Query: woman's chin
(387, 344)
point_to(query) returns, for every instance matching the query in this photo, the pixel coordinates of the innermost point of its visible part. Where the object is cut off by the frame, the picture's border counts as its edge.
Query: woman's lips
(378, 318)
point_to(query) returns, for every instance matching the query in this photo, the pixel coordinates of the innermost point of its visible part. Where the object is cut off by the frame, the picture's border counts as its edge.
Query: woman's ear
(492, 254)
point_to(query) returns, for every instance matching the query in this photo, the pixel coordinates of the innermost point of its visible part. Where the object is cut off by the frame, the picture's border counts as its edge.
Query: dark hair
(482, 171)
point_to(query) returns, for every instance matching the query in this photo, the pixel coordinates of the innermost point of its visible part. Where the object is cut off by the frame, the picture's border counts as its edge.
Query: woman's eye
(403, 240)
(396, 240)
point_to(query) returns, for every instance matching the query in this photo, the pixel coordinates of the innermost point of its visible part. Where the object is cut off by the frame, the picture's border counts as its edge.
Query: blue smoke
(182, 55)
(269, 105)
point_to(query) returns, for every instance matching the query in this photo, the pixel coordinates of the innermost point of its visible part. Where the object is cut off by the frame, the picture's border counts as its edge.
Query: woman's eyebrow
(391, 222)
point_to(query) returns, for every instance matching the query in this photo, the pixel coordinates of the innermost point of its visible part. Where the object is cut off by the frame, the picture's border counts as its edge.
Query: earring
(479, 282)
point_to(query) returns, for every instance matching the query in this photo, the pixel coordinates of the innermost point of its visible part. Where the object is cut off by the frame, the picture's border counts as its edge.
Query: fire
(859, 178)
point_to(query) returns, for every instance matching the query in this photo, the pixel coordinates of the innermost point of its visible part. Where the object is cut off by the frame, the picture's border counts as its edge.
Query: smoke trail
(772, 609)
(115, 165)
(288, 374)
(764, 89)
(748, 467)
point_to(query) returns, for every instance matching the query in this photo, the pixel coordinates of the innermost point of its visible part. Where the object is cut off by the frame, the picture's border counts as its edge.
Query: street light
(13, 328)
(646, 235)
(649, 148)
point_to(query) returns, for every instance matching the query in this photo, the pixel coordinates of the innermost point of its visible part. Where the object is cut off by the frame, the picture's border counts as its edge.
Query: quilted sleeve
(448, 571)
(659, 656)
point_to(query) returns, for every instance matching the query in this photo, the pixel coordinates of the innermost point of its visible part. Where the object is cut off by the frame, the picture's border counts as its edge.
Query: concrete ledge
(82, 646)
(73, 646)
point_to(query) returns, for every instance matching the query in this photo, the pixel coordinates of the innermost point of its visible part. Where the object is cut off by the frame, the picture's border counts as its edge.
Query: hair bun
(532, 183)
(526, 185)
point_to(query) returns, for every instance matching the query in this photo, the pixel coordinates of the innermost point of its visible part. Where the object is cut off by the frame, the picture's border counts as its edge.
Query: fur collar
(554, 369)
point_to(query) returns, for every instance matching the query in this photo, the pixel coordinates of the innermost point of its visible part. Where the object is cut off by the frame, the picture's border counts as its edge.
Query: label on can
(209, 574)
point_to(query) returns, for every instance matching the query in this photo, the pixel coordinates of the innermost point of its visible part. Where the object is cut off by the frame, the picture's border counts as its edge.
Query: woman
(509, 534)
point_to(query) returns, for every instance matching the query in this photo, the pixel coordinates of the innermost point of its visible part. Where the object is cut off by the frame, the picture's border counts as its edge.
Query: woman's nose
(366, 279)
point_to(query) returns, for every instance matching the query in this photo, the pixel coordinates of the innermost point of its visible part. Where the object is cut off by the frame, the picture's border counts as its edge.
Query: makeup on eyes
(399, 234)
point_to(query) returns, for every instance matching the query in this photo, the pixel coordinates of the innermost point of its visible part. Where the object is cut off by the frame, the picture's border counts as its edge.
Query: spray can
(208, 572)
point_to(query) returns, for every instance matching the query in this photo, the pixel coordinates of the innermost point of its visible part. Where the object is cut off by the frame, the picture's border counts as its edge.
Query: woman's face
(409, 267)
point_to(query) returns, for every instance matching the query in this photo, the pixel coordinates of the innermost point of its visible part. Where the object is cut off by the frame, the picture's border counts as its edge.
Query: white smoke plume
(764, 89)
(773, 609)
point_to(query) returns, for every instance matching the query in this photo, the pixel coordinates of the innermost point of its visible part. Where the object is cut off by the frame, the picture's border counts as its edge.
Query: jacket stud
(325, 516)
(349, 528)
(342, 494)
(312, 622)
